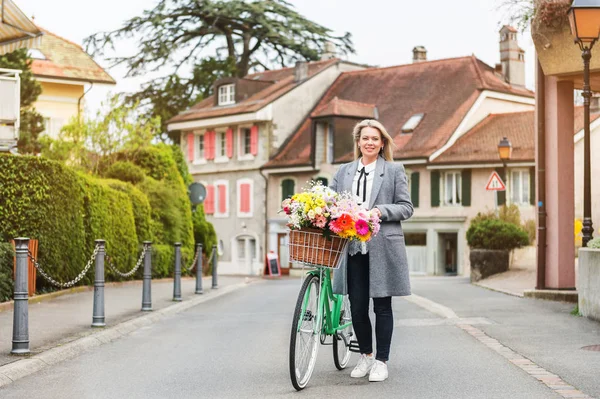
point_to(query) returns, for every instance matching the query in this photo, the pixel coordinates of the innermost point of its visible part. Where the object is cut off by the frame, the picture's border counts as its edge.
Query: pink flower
(320, 221)
(362, 227)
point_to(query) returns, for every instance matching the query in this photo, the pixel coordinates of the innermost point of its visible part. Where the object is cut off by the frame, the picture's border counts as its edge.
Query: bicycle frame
(326, 295)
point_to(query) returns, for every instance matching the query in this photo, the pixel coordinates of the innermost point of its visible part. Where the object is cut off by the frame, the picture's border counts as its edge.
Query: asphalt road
(236, 346)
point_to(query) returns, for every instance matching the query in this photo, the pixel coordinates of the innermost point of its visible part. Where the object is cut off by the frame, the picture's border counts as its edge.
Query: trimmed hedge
(109, 216)
(44, 199)
(496, 234)
(141, 208)
(125, 171)
(163, 260)
(6, 271)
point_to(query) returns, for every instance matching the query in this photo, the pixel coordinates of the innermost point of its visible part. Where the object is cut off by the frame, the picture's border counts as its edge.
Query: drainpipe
(81, 98)
(540, 92)
(266, 236)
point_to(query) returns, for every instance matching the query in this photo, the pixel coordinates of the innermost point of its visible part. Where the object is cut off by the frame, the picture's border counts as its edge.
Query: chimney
(300, 71)
(419, 54)
(329, 52)
(512, 57)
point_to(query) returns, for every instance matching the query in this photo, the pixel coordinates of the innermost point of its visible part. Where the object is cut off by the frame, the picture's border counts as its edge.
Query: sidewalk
(63, 319)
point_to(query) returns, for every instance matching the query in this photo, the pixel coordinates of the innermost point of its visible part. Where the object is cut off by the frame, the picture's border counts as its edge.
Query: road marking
(431, 306)
(552, 381)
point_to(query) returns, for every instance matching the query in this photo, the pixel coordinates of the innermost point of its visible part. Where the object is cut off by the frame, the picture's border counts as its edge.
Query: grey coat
(388, 266)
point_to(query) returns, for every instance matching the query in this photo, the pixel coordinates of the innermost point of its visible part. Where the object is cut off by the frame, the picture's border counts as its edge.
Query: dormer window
(412, 123)
(227, 94)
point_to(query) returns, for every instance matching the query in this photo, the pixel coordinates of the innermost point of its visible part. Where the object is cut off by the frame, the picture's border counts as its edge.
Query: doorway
(282, 251)
(448, 245)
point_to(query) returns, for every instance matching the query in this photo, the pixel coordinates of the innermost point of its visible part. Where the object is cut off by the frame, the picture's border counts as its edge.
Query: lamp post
(505, 152)
(584, 18)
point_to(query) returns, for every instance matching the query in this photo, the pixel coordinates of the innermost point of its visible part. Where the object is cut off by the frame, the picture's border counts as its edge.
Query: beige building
(227, 137)
(66, 73)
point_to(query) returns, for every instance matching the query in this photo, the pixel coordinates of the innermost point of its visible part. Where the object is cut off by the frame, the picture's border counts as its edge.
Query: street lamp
(504, 152)
(584, 18)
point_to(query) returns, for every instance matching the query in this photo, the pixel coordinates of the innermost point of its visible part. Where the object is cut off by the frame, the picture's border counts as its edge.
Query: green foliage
(594, 243)
(6, 271)
(125, 171)
(82, 142)
(247, 36)
(510, 214)
(31, 123)
(141, 208)
(44, 200)
(108, 215)
(163, 260)
(204, 232)
(181, 165)
(496, 234)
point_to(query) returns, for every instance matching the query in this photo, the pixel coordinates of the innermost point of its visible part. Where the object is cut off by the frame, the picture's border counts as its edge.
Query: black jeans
(358, 292)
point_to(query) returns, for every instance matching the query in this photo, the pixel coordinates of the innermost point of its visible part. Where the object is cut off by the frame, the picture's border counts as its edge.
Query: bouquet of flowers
(321, 208)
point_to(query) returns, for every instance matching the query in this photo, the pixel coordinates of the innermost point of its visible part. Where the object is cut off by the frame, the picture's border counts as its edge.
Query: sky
(384, 32)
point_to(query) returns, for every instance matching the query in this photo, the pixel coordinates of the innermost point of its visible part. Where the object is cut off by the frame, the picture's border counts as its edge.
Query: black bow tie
(363, 175)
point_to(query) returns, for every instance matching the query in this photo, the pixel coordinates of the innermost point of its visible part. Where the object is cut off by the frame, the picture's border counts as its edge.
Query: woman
(378, 269)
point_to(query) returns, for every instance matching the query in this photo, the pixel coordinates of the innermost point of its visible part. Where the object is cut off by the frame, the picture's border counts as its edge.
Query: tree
(83, 141)
(32, 123)
(238, 35)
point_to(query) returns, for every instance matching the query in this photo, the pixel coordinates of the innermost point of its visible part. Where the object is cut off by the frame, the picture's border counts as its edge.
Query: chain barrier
(70, 283)
(132, 271)
(193, 266)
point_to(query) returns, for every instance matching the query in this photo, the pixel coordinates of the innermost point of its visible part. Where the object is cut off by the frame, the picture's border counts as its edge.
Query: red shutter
(254, 140)
(210, 144)
(245, 198)
(190, 144)
(229, 140)
(222, 198)
(209, 202)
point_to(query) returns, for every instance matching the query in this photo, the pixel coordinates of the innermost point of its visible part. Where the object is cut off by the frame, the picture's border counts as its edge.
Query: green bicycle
(319, 313)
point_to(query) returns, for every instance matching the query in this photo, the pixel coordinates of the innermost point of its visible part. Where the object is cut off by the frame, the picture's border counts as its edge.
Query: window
(200, 147)
(452, 188)
(323, 180)
(222, 144)
(287, 188)
(329, 146)
(245, 198)
(241, 248)
(227, 94)
(245, 141)
(412, 123)
(519, 187)
(222, 198)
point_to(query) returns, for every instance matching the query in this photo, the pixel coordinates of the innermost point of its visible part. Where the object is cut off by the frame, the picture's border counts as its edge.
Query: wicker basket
(308, 246)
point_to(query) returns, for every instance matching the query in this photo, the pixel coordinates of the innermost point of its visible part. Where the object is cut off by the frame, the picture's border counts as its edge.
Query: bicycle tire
(341, 347)
(300, 381)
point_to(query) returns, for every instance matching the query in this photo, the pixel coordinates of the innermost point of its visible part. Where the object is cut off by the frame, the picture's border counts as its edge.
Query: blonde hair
(388, 143)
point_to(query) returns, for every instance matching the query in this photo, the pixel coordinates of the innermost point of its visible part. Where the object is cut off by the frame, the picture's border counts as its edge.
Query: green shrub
(125, 171)
(141, 208)
(595, 243)
(181, 165)
(109, 216)
(44, 199)
(496, 234)
(163, 260)
(204, 232)
(510, 214)
(6, 271)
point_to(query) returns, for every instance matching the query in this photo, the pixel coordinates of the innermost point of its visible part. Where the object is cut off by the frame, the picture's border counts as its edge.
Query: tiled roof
(337, 107)
(283, 81)
(480, 144)
(67, 60)
(443, 90)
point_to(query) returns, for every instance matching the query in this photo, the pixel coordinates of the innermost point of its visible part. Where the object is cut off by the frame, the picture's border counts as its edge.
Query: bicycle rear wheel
(341, 339)
(304, 340)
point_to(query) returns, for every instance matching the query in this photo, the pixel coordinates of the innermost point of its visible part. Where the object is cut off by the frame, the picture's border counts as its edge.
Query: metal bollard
(177, 277)
(147, 285)
(98, 317)
(20, 341)
(199, 269)
(214, 269)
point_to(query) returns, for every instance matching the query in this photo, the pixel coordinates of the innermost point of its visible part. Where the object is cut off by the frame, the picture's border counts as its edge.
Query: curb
(4, 306)
(501, 290)
(553, 295)
(11, 372)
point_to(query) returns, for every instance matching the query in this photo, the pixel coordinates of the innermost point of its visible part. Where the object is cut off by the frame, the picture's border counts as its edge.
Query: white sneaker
(379, 371)
(363, 367)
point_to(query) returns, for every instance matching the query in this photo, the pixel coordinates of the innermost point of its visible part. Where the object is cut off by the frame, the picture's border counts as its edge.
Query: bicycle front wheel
(304, 341)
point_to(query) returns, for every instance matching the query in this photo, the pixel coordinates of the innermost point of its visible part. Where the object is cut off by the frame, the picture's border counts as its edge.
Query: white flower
(311, 214)
(318, 210)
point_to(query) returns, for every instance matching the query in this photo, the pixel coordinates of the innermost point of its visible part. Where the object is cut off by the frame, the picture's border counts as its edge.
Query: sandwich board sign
(495, 183)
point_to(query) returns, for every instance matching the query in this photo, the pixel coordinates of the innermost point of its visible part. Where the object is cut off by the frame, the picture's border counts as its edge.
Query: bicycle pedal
(353, 347)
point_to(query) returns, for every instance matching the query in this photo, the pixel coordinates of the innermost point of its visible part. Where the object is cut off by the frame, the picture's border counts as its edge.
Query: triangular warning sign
(495, 183)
